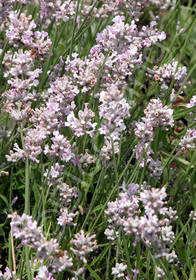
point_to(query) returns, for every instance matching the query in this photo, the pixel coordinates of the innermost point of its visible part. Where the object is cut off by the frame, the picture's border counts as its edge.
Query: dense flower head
(164, 74)
(21, 31)
(189, 140)
(125, 41)
(30, 234)
(83, 244)
(153, 200)
(66, 193)
(54, 174)
(44, 274)
(47, 116)
(20, 71)
(192, 102)
(22, 78)
(158, 115)
(119, 269)
(33, 141)
(83, 124)
(58, 10)
(20, 27)
(118, 37)
(144, 131)
(27, 230)
(121, 37)
(8, 274)
(63, 91)
(66, 218)
(111, 233)
(152, 226)
(60, 148)
(113, 110)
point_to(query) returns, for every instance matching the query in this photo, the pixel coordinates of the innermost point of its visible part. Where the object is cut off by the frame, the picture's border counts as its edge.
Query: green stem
(27, 171)
(74, 28)
(27, 188)
(27, 204)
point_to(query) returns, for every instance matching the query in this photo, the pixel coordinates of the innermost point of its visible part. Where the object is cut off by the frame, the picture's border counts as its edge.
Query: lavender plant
(97, 140)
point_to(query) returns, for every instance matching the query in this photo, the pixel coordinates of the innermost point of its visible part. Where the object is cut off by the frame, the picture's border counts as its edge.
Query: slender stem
(74, 28)
(27, 203)
(27, 188)
(13, 253)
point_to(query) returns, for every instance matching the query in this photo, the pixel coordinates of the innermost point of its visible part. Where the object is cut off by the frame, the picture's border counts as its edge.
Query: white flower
(120, 267)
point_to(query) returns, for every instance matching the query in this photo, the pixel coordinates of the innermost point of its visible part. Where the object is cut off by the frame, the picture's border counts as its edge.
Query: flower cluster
(44, 274)
(21, 31)
(134, 8)
(156, 116)
(168, 72)
(152, 226)
(83, 245)
(8, 275)
(58, 10)
(62, 91)
(66, 194)
(192, 102)
(119, 269)
(21, 78)
(32, 141)
(54, 175)
(60, 148)
(112, 111)
(123, 44)
(83, 125)
(189, 140)
(30, 234)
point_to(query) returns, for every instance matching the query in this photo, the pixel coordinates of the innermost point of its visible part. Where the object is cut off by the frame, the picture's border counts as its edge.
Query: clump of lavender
(58, 10)
(112, 111)
(166, 73)
(66, 193)
(134, 8)
(83, 244)
(60, 148)
(8, 275)
(83, 125)
(44, 274)
(192, 102)
(152, 226)
(123, 44)
(119, 269)
(21, 30)
(31, 235)
(189, 140)
(32, 146)
(157, 115)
